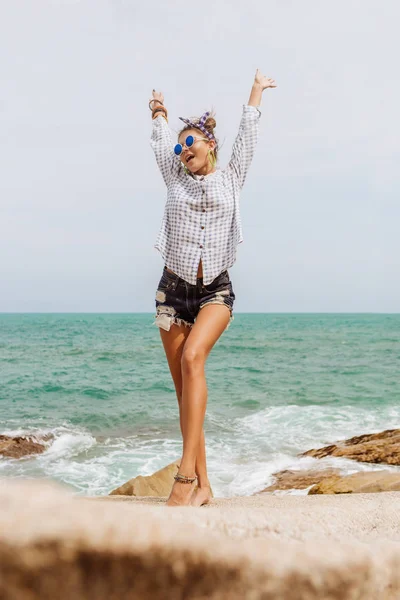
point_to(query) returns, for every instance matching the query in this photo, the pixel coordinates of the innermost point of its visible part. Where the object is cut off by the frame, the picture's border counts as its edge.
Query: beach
(298, 405)
(144, 177)
(53, 544)
(278, 385)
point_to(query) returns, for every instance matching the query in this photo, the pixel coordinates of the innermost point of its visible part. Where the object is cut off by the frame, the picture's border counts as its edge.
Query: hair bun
(210, 124)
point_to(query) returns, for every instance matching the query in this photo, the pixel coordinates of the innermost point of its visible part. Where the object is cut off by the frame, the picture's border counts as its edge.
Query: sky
(81, 199)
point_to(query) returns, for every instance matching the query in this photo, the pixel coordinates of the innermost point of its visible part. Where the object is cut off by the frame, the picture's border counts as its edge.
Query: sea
(278, 385)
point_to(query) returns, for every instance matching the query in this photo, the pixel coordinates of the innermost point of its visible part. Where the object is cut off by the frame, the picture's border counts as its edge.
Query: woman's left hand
(263, 81)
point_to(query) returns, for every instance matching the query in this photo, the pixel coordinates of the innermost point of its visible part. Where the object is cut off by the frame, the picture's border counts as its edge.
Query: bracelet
(160, 109)
(155, 100)
(162, 113)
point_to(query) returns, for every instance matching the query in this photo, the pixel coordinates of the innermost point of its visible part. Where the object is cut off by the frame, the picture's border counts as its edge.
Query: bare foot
(201, 496)
(181, 494)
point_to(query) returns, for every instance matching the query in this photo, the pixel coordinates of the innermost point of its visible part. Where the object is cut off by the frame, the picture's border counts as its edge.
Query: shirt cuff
(251, 109)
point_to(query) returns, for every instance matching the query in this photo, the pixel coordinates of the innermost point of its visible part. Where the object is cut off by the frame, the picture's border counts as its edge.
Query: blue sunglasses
(190, 140)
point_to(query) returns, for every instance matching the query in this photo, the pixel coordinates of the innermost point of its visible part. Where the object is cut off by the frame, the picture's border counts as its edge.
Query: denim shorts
(179, 302)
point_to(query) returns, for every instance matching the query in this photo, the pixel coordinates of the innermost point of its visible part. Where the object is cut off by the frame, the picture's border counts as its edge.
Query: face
(196, 158)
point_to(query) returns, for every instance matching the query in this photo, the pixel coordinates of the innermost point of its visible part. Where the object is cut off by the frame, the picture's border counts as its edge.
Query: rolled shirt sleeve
(245, 143)
(162, 144)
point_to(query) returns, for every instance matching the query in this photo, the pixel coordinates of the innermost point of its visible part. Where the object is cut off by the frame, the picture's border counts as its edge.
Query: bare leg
(210, 324)
(173, 342)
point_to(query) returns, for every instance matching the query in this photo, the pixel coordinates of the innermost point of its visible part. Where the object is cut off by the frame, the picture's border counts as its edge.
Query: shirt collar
(202, 177)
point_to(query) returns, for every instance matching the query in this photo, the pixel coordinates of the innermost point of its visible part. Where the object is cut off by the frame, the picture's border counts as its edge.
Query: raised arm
(246, 139)
(161, 139)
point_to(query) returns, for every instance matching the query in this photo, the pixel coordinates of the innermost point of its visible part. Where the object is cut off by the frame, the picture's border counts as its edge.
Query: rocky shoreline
(23, 445)
(328, 543)
(376, 448)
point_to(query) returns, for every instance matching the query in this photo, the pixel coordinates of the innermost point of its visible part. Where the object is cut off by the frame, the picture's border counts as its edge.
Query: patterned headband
(200, 125)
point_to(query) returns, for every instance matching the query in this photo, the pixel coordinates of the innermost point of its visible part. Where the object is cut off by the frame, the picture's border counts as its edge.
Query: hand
(157, 96)
(263, 81)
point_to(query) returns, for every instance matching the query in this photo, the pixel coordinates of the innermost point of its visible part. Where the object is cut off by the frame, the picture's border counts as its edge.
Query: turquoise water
(278, 384)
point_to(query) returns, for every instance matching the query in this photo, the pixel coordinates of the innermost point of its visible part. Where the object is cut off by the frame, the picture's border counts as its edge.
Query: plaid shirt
(202, 218)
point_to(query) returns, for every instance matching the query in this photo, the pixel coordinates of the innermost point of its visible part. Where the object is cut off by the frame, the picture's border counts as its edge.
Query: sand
(53, 545)
(364, 517)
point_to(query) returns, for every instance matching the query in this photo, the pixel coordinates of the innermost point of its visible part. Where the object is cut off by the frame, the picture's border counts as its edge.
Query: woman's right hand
(157, 96)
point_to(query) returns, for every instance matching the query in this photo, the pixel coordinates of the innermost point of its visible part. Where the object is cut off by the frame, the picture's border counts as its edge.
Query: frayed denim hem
(165, 317)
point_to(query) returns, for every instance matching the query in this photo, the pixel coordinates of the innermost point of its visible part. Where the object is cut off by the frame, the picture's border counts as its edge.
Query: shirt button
(201, 245)
(202, 226)
(204, 210)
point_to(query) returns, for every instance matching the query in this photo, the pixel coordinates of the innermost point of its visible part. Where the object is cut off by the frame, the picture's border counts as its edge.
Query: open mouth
(189, 158)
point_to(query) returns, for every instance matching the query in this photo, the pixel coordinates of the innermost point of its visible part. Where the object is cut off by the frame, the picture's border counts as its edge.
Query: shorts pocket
(219, 283)
(167, 282)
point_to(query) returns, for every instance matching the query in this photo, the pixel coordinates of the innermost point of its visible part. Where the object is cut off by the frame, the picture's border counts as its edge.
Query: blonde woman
(199, 233)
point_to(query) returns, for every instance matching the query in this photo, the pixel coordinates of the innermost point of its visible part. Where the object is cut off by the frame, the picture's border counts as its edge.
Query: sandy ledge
(261, 547)
(362, 517)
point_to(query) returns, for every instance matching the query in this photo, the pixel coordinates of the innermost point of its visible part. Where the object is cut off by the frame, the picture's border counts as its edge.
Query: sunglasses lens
(189, 141)
(178, 149)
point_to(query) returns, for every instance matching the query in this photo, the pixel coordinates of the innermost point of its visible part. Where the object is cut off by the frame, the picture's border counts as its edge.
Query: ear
(212, 144)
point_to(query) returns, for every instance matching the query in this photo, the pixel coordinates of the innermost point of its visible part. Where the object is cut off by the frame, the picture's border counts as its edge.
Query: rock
(370, 482)
(287, 480)
(159, 484)
(383, 447)
(19, 446)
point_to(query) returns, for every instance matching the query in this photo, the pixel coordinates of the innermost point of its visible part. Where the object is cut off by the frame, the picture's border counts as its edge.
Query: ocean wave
(299, 428)
(68, 445)
(96, 392)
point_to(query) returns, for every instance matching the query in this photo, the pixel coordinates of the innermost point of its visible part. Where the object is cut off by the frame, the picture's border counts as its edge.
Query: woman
(199, 233)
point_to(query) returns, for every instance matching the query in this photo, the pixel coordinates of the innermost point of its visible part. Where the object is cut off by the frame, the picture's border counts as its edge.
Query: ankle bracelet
(184, 479)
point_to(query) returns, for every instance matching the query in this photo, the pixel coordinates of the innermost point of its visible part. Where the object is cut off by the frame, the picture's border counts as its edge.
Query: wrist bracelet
(158, 109)
(159, 112)
(155, 100)
(163, 115)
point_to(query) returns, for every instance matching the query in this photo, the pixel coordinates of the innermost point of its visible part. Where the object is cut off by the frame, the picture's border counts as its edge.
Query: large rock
(158, 484)
(258, 548)
(288, 480)
(370, 482)
(19, 446)
(381, 447)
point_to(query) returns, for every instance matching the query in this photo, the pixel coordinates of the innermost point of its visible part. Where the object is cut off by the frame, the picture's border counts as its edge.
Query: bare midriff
(199, 270)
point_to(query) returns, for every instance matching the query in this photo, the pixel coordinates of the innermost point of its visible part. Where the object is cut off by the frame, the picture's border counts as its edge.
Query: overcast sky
(81, 198)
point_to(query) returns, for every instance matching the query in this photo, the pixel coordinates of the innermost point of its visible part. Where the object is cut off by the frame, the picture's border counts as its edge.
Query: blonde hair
(209, 124)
